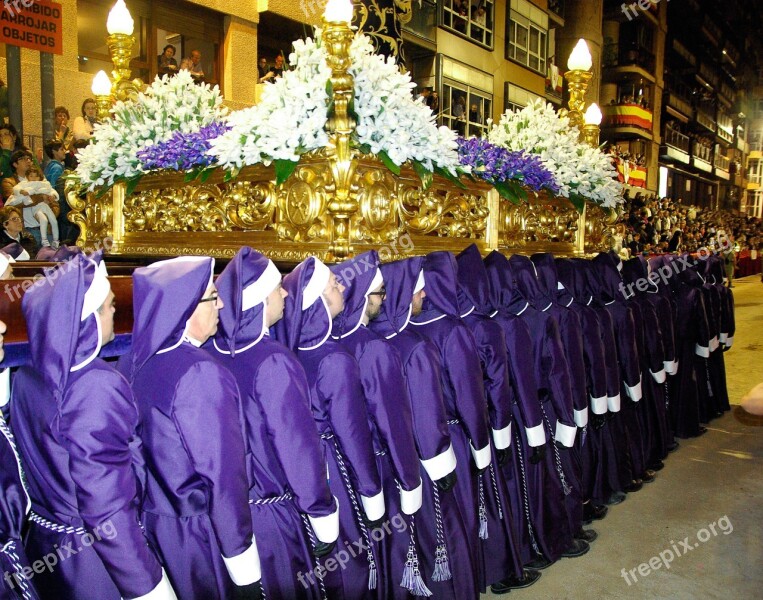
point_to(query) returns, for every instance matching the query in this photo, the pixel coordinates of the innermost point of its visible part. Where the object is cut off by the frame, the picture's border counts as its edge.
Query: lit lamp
(578, 77)
(102, 91)
(592, 120)
(337, 36)
(121, 41)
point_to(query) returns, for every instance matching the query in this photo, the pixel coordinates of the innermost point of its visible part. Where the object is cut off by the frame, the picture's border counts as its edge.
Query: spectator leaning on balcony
(82, 128)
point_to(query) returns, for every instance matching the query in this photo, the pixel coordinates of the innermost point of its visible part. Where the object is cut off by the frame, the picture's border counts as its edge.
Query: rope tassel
(482, 511)
(412, 580)
(441, 564)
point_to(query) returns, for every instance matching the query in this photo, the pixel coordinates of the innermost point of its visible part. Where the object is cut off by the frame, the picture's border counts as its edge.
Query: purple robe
(197, 482)
(449, 570)
(390, 420)
(500, 552)
(546, 530)
(288, 471)
(340, 414)
(75, 421)
(15, 505)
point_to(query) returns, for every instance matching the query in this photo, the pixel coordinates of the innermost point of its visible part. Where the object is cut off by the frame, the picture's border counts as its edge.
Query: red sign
(34, 24)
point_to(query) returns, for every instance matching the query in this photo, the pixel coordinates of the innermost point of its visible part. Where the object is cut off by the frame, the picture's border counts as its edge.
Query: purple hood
(359, 276)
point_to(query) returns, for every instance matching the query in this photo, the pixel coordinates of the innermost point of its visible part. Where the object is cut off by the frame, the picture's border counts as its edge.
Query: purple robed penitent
(288, 470)
(340, 415)
(391, 421)
(75, 422)
(547, 531)
(448, 568)
(500, 554)
(463, 391)
(195, 510)
(15, 505)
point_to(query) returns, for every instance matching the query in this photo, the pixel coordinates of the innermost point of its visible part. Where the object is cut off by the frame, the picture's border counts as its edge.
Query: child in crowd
(38, 198)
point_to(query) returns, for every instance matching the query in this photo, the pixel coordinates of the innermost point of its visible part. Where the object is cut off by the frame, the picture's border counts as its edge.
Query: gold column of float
(337, 36)
(121, 42)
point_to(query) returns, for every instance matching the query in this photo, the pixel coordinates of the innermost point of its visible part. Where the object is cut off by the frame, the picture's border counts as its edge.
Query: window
(527, 41)
(516, 98)
(158, 23)
(466, 100)
(471, 18)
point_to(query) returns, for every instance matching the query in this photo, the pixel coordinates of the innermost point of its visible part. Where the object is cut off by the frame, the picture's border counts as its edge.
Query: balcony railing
(722, 162)
(702, 152)
(709, 74)
(706, 120)
(676, 139)
(680, 104)
(617, 55)
(627, 115)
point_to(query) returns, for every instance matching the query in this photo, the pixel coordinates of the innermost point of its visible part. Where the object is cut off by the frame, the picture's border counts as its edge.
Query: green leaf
(284, 168)
(507, 191)
(450, 177)
(204, 175)
(388, 162)
(191, 175)
(578, 202)
(131, 183)
(425, 175)
(230, 174)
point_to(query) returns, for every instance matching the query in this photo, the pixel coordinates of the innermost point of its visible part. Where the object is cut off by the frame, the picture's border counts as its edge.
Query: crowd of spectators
(652, 225)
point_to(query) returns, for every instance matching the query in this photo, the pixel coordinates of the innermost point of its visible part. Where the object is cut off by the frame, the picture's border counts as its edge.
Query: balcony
(629, 173)
(680, 104)
(556, 8)
(709, 75)
(722, 165)
(706, 120)
(617, 56)
(684, 53)
(702, 157)
(628, 116)
(675, 145)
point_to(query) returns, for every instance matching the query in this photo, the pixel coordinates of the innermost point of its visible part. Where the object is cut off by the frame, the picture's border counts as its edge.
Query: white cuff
(659, 376)
(565, 434)
(581, 417)
(729, 341)
(723, 337)
(162, 591)
(702, 351)
(410, 502)
(373, 506)
(671, 366)
(481, 456)
(536, 436)
(599, 405)
(440, 465)
(634, 391)
(5, 386)
(502, 437)
(613, 403)
(244, 569)
(714, 344)
(326, 528)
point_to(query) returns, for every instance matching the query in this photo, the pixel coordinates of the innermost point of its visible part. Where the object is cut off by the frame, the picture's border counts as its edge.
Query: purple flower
(496, 164)
(183, 151)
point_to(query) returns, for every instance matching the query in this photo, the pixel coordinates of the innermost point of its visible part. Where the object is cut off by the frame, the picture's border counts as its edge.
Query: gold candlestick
(337, 36)
(590, 135)
(577, 85)
(104, 106)
(120, 47)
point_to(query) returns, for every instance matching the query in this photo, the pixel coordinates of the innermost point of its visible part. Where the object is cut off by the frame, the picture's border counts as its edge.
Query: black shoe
(593, 512)
(587, 535)
(702, 431)
(657, 465)
(577, 548)
(538, 564)
(673, 446)
(633, 486)
(515, 583)
(616, 498)
(648, 476)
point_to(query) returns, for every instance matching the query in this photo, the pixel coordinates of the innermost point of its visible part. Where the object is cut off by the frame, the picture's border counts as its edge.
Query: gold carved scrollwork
(92, 215)
(543, 220)
(377, 218)
(302, 203)
(599, 229)
(446, 212)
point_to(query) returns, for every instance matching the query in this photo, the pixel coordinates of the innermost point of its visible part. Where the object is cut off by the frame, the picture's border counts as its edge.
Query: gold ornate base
(167, 216)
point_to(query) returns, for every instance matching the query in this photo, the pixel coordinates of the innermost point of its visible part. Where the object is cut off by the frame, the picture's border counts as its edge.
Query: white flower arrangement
(581, 172)
(290, 119)
(170, 104)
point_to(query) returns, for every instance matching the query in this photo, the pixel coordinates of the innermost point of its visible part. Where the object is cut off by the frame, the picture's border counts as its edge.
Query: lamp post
(337, 36)
(578, 78)
(591, 130)
(121, 41)
(101, 89)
